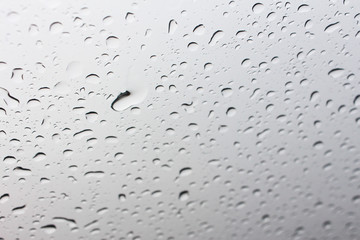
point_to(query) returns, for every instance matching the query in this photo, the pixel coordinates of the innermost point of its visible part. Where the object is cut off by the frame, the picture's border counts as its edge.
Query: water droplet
(172, 26)
(19, 210)
(185, 171)
(49, 229)
(92, 78)
(184, 196)
(130, 17)
(4, 198)
(199, 29)
(193, 46)
(258, 8)
(56, 27)
(112, 42)
(230, 112)
(303, 8)
(332, 27)
(336, 72)
(357, 101)
(226, 92)
(216, 37)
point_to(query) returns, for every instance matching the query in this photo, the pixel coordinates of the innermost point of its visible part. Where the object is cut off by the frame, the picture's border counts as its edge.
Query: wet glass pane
(180, 119)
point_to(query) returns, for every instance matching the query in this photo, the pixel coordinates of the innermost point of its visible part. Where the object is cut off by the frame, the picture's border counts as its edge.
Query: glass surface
(180, 119)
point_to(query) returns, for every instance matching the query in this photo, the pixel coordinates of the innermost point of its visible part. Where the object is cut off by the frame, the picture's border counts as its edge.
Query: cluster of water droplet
(179, 119)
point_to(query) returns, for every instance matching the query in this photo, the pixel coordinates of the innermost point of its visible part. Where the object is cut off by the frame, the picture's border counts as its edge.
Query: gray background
(242, 120)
